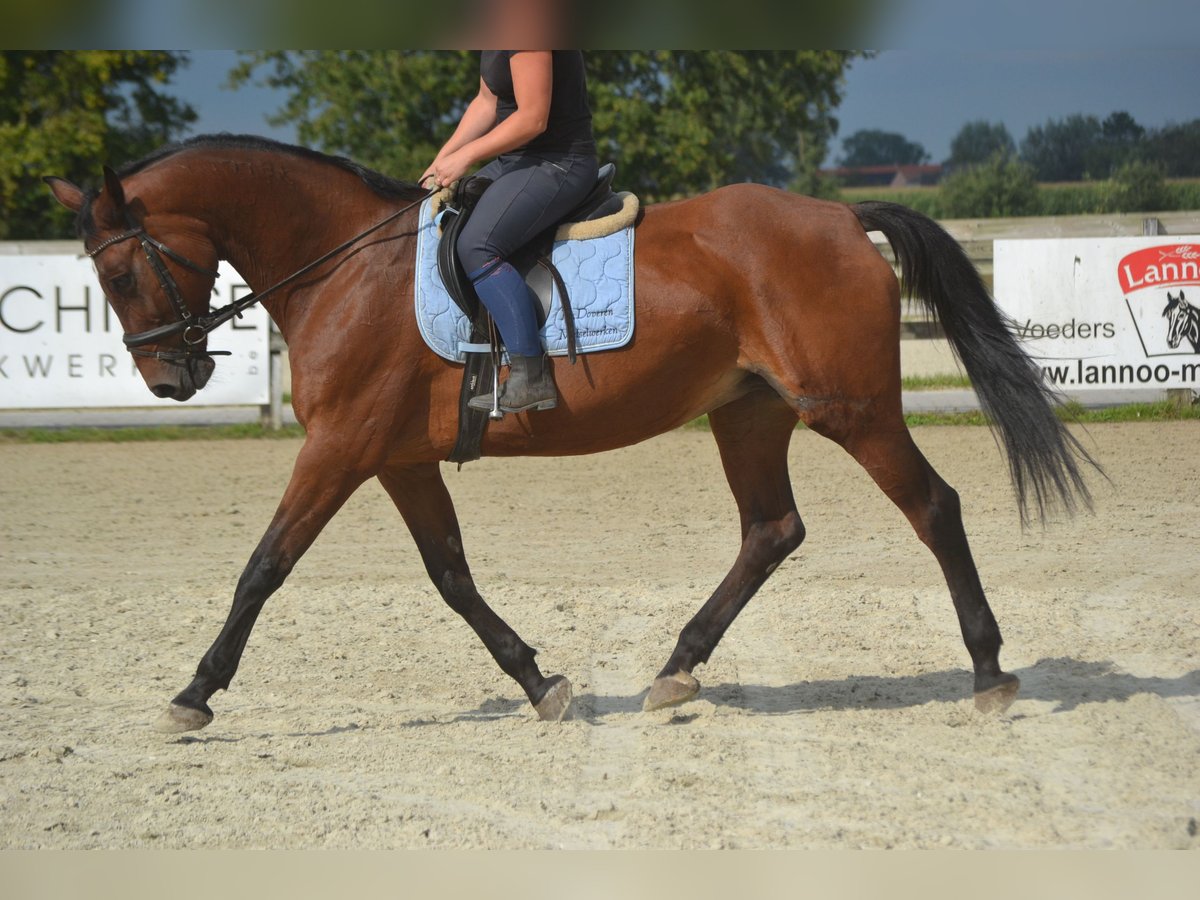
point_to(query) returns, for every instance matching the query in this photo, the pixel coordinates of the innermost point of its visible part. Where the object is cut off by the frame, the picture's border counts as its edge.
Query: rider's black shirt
(569, 127)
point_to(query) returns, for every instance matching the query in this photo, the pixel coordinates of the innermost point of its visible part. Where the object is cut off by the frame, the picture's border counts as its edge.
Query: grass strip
(935, 382)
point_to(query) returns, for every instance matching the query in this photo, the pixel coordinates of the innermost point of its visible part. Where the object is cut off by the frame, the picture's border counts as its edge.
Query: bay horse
(758, 307)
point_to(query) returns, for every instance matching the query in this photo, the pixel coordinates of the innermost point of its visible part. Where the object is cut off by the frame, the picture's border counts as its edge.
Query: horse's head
(157, 271)
(1178, 318)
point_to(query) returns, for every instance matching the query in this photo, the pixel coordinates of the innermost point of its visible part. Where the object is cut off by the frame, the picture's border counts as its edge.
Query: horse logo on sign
(1145, 276)
(1183, 321)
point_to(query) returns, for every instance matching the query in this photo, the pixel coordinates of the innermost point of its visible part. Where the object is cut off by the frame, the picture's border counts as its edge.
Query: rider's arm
(477, 120)
(533, 81)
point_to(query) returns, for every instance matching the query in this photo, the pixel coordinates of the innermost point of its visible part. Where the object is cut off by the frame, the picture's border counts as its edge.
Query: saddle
(533, 262)
(600, 203)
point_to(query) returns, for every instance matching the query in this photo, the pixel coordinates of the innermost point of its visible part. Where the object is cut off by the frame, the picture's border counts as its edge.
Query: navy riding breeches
(529, 193)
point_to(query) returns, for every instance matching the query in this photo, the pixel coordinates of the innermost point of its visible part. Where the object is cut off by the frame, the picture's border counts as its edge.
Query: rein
(195, 328)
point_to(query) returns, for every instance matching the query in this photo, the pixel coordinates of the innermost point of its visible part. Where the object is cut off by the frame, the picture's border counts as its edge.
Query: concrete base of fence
(1182, 397)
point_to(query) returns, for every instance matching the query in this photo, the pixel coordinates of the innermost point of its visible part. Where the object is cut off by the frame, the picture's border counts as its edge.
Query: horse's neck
(270, 223)
(270, 213)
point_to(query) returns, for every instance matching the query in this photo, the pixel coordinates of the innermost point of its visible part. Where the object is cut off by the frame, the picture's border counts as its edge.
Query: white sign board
(1105, 313)
(60, 344)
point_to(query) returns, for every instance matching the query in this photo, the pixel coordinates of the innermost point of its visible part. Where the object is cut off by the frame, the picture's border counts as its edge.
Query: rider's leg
(530, 195)
(530, 384)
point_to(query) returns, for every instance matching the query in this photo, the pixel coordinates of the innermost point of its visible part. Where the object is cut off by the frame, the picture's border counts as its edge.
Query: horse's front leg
(421, 496)
(320, 484)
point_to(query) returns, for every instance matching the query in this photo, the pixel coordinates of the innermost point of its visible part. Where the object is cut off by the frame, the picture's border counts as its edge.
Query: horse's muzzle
(180, 381)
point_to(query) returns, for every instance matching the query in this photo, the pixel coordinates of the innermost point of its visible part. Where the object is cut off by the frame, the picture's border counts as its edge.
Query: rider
(532, 115)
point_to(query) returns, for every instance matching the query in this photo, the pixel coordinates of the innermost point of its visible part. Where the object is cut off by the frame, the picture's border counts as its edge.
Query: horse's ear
(112, 185)
(65, 192)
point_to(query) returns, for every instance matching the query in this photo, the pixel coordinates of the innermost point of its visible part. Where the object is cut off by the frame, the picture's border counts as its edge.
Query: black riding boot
(530, 385)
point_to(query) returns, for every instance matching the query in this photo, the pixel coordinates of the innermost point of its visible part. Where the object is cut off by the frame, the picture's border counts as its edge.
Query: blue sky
(926, 94)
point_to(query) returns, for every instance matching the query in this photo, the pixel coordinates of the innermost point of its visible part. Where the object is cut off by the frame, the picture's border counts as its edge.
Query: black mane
(384, 186)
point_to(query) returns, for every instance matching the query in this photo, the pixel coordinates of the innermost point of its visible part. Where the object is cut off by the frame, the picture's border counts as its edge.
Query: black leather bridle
(195, 328)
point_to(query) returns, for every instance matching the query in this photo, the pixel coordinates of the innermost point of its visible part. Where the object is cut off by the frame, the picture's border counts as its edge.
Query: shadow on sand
(1065, 682)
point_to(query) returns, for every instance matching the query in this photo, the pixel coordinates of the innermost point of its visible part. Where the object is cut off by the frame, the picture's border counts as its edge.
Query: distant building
(886, 176)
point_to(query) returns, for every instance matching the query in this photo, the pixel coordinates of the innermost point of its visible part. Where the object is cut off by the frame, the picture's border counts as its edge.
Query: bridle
(194, 328)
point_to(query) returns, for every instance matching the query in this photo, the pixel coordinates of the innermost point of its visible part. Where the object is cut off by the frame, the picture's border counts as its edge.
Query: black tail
(1043, 457)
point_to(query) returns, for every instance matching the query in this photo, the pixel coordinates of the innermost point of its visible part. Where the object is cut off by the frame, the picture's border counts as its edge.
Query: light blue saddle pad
(598, 273)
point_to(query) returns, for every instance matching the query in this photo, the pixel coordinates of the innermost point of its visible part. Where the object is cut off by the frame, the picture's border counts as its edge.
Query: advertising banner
(1106, 313)
(60, 343)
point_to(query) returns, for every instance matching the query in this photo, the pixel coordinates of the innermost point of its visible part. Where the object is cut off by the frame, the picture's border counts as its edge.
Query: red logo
(1160, 267)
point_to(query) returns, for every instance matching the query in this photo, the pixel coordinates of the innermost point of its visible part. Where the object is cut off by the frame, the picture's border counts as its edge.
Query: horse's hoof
(176, 719)
(556, 701)
(1000, 697)
(671, 690)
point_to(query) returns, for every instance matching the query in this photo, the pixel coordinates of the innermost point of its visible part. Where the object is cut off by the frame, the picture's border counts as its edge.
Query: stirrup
(490, 401)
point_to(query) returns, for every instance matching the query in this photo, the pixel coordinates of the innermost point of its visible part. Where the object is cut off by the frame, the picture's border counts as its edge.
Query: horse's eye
(123, 284)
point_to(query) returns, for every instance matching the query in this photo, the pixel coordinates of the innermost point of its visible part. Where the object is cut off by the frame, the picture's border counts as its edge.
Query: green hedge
(1082, 198)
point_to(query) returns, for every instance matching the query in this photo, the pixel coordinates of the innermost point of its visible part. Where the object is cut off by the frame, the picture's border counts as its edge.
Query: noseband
(194, 328)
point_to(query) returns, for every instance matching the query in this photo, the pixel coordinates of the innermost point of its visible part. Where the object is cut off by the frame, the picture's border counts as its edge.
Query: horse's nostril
(164, 391)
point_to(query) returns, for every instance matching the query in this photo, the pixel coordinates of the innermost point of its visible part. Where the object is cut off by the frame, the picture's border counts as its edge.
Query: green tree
(1002, 186)
(1137, 186)
(675, 122)
(1177, 148)
(977, 142)
(872, 147)
(681, 122)
(387, 109)
(1121, 141)
(66, 112)
(1058, 150)
(1121, 128)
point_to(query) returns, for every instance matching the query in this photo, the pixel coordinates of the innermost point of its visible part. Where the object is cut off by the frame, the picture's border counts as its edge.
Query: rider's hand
(449, 168)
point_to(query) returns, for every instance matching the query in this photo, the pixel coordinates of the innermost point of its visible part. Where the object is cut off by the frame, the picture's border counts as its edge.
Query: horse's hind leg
(888, 453)
(752, 435)
(421, 496)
